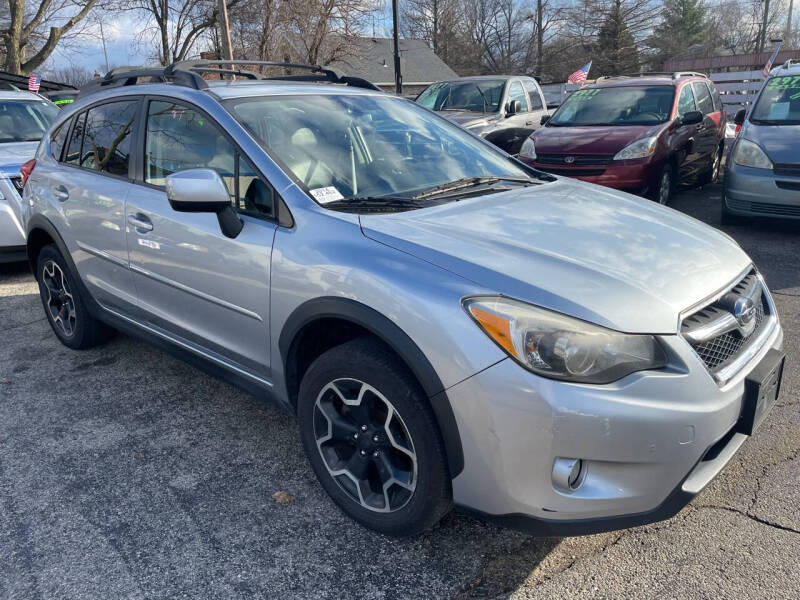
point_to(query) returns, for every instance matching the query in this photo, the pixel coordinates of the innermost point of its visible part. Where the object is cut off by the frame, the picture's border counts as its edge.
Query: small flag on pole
(33, 82)
(768, 66)
(581, 74)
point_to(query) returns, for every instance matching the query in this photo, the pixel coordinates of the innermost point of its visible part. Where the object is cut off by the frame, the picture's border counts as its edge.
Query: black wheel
(372, 439)
(666, 184)
(712, 174)
(63, 305)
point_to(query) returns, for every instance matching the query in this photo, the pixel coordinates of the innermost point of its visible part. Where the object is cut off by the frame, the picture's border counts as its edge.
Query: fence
(737, 89)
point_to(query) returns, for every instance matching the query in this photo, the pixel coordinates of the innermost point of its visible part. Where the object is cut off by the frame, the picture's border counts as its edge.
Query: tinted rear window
(107, 143)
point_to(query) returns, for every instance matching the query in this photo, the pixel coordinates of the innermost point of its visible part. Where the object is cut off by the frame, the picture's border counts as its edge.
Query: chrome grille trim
(717, 338)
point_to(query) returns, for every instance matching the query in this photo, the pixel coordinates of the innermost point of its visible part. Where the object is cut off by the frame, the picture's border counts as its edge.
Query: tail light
(738, 129)
(26, 169)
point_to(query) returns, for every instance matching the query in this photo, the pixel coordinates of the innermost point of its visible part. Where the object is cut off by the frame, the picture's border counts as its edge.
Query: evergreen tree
(615, 51)
(682, 26)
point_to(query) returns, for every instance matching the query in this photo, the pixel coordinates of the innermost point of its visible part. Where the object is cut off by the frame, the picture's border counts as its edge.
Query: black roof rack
(189, 73)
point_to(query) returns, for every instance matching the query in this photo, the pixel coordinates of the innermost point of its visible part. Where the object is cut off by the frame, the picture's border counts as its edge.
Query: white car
(24, 117)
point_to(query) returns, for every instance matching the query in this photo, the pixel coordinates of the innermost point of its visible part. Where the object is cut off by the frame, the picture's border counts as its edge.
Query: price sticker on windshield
(785, 83)
(585, 94)
(326, 194)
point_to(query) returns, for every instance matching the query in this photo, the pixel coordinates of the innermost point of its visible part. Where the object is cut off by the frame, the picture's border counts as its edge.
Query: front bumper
(761, 193)
(649, 443)
(630, 175)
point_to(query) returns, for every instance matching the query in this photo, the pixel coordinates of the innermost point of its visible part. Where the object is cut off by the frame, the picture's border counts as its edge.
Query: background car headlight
(749, 154)
(560, 347)
(639, 149)
(528, 149)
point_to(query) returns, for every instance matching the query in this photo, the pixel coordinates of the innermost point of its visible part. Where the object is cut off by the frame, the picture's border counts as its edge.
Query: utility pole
(225, 32)
(788, 35)
(762, 42)
(103, 37)
(398, 76)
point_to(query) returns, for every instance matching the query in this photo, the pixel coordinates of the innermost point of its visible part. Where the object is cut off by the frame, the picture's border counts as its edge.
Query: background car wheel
(372, 439)
(712, 175)
(666, 184)
(63, 305)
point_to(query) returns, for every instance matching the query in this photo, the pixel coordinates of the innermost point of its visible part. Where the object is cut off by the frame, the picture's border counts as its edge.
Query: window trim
(138, 175)
(85, 111)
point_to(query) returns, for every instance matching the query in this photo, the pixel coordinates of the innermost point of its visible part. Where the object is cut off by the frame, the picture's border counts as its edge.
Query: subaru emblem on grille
(569, 159)
(744, 310)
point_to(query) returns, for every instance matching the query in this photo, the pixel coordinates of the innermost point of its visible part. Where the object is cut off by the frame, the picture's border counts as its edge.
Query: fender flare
(394, 337)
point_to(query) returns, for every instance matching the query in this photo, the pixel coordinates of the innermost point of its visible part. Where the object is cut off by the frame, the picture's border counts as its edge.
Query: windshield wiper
(467, 182)
(376, 202)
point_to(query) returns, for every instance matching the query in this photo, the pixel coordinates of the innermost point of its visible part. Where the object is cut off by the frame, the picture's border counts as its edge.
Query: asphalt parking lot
(125, 473)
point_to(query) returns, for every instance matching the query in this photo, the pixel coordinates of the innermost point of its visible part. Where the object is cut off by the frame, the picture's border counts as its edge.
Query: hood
(13, 154)
(469, 119)
(603, 256)
(602, 139)
(778, 141)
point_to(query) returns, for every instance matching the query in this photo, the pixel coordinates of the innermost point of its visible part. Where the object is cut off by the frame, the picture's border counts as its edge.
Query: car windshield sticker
(791, 82)
(326, 194)
(585, 94)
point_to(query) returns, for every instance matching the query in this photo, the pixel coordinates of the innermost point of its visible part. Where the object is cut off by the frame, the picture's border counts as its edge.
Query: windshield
(475, 96)
(346, 147)
(779, 102)
(25, 120)
(616, 106)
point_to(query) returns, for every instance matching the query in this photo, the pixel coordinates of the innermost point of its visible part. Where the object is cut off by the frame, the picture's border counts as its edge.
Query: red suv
(641, 134)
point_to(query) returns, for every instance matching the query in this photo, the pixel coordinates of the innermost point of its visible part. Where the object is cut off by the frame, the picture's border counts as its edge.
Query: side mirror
(513, 107)
(202, 190)
(544, 119)
(740, 115)
(693, 117)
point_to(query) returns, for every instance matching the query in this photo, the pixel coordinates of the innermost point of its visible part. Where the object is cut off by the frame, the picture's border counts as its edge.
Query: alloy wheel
(365, 445)
(715, 168)
(665, 187)
(60, 303)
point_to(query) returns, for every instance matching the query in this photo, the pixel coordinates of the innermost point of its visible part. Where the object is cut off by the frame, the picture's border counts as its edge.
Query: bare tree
(34, 29)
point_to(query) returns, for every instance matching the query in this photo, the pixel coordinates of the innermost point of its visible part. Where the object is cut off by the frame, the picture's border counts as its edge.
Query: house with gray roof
(373, 59)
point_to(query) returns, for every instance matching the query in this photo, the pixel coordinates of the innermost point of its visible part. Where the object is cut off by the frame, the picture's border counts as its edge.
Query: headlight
(553, 345)
(749, 154)
(528, 149)
(639, 149)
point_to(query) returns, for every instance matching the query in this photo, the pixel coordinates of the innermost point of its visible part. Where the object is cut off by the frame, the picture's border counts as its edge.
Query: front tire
(372, 439)
(712, 174)
(64, 307)
(665, 186)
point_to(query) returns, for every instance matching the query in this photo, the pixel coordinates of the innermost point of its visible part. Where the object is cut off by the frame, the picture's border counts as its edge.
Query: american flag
(581, 74)
(768, 66)
(33, 82)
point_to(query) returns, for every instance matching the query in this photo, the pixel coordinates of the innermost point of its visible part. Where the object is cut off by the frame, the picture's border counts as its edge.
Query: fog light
(568, 473)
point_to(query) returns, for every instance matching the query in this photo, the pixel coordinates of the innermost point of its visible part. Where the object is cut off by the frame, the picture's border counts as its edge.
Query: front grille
(17, 182)
(719, 350)
(578, 159)
(574, 172)
(764, 208)
(786, 169)
(789, 185)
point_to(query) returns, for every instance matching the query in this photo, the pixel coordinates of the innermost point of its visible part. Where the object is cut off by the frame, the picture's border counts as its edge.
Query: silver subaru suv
(450, 326)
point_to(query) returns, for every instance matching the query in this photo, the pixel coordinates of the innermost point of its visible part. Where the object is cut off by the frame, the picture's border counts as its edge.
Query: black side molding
(382, 327)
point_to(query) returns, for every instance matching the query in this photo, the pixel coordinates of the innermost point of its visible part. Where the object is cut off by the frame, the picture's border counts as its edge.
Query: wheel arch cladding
(352, 320)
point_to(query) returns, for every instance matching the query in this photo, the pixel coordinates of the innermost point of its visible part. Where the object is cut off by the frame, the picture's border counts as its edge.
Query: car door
(536, 105)
(207, 292)
(90, 187)
(706, 140)
(515, 127)
(685, 137)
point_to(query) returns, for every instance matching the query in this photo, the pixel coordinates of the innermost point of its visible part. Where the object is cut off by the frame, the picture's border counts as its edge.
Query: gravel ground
(127, 474)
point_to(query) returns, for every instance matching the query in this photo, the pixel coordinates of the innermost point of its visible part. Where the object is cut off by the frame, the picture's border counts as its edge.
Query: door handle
(61, 193)
(140, 223)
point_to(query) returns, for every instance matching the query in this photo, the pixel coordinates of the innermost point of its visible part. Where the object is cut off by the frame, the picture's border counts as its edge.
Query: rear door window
(58, 138)
(107, 142)
(533, 93)
(704, 102)
(686, 101)
(73, 154)
(515, 92)
(715, 97)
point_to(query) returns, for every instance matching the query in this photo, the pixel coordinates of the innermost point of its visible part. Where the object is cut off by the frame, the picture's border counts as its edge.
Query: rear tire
(64, 307)
(372, 440)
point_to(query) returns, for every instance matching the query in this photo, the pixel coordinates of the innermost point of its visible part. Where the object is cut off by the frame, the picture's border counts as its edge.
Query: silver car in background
(24, 118)
(448, 325)
(762, 177)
